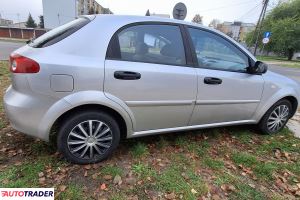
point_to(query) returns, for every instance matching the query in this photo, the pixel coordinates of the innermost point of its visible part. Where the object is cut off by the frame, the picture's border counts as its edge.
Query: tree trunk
(290, 54)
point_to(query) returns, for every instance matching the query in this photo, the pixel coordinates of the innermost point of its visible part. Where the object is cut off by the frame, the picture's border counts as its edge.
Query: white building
(18, 25)
(160, 15)
(5, 22)
(236, 30)
(59, 12)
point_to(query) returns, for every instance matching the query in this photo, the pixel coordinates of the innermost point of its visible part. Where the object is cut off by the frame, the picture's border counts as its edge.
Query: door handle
(212, 81)
(126, 75)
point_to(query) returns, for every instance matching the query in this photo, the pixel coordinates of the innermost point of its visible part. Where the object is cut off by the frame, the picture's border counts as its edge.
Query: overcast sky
(225, 10)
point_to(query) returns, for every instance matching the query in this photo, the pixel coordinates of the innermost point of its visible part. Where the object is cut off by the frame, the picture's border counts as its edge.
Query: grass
(246, 192)
(112, 170)
(244, 136)
(189, 162)
(203, 148)
(4, 81)
(171, 180)
(213, 163)
(138, 150)
(285, 141)
(282, 61)
(265, 170)
(73, 191)
(118, 196)
(226, 178)
(246, 159)
(25, 175)
(143, 170)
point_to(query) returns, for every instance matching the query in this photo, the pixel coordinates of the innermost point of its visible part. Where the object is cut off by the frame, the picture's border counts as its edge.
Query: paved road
(293, 73)
(7, 47)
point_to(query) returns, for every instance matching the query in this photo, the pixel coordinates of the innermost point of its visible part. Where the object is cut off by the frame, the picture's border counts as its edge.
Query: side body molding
(78, 99)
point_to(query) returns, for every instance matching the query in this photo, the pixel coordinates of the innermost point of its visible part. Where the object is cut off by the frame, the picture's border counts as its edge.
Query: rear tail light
(21, 64)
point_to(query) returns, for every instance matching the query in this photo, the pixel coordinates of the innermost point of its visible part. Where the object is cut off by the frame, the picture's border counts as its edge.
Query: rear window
(59, 33)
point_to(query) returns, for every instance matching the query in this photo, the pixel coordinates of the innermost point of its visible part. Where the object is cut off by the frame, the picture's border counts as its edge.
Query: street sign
(267, 34)
(265, 40)
(179, 11)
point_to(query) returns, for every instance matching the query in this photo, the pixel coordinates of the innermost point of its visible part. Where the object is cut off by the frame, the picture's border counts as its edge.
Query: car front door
(146, 68)
(226, 92)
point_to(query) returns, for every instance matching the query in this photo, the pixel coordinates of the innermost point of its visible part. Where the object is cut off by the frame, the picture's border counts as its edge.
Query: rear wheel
(276, 117)
(88, 137)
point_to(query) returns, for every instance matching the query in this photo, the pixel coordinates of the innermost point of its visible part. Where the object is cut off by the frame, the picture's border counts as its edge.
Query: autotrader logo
(27, 193)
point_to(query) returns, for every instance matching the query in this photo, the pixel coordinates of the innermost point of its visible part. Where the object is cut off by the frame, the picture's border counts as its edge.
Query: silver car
(100, 78)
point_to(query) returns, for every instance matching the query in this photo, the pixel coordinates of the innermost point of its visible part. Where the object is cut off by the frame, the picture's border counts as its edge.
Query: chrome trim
(168, 130)
(213, 102)
(160, 103)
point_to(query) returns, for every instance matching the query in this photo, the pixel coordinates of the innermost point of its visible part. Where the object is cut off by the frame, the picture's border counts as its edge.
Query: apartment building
(58, 12)
(237, 30)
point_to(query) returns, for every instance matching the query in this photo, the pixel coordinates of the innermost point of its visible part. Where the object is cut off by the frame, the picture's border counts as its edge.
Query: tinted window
(59, 33)
(153, 44)
(214, 52)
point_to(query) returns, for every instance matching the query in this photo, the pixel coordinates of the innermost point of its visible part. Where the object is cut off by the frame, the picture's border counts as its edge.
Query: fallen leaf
(130, 181)
(42, 180)
(216, 197)
(85, 174)
(87, 167)
(41, 174)
(103, 186)
(18, 163)
(287, 155)
(282, 179)
(277, 153)
(94, 176)
(107, 177)
(62, 188)
(170, 196)
(194, 191)
(231, 188)
(117, 180)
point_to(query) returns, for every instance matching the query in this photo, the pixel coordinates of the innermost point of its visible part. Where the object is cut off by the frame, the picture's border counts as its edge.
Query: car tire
(88, 137)
(276, 117)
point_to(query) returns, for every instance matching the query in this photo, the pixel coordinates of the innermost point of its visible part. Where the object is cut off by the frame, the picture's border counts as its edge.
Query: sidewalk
(294, 124)
(13, 40)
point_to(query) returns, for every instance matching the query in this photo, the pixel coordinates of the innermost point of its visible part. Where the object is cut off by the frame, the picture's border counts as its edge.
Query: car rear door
(147, 68)
(226, 92)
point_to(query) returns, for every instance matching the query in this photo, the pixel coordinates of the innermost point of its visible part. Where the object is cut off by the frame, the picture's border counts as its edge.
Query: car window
(152, 44)
(59, 33)
(214, 52)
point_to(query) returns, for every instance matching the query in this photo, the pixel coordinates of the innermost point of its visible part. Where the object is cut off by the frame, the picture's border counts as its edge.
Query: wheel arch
(81, 108)
(294, 103)
(290, 98)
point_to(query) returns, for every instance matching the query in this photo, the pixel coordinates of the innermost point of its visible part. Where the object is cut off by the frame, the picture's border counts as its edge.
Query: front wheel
(276, 117)
(88, 137)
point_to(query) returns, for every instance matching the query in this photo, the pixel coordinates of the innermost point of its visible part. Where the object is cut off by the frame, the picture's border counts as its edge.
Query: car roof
(137, 18)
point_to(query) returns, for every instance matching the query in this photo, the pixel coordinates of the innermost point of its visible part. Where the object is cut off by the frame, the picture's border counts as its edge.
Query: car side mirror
(258, 68)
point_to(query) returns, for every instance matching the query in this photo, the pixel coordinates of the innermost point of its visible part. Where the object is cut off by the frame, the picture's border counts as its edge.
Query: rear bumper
(25, 112)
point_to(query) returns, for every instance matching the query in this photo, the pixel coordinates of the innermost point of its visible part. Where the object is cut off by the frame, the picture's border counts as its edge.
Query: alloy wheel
(90, 139)
(278, 118)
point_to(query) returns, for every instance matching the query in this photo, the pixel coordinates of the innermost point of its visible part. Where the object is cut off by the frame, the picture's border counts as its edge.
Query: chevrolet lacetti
(99, 78)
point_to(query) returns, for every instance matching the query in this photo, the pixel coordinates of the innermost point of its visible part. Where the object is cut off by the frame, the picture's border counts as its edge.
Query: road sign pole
(260, 24)
(262, 50)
